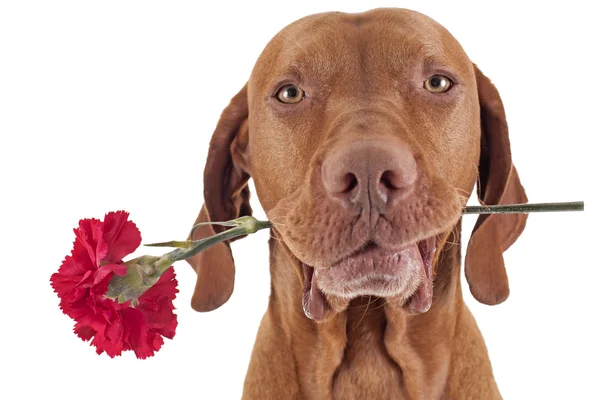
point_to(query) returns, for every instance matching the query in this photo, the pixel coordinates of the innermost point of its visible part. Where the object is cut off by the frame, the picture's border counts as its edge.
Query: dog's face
(372, 128)
(363, 135)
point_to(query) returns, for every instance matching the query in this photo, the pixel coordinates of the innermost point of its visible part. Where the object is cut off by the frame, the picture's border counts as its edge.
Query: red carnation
(82, 282)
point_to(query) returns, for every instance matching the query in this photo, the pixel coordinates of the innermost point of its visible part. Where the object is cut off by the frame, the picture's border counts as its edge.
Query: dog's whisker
(467, 194)
(362, 317)
(371, 300)
(385, 301)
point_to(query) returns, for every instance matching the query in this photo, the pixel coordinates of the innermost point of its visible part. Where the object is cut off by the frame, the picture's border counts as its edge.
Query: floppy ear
(498, 183)
(226, 196)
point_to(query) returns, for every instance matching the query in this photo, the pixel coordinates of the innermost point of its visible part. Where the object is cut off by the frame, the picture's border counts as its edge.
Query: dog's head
(365, 135)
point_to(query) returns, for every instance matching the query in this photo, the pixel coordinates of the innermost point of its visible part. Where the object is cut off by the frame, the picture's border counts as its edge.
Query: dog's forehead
(388, 38)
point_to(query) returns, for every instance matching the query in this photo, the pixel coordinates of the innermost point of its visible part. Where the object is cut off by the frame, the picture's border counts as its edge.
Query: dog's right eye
(290, 94)
(438, 84)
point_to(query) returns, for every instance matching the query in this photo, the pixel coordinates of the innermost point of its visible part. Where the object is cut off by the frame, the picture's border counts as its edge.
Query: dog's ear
(226, 196)
(498, 183)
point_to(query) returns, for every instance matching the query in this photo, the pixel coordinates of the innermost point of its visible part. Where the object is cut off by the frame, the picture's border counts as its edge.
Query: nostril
(337, 180)
(400, 178)
(386, 180)
(350, 182)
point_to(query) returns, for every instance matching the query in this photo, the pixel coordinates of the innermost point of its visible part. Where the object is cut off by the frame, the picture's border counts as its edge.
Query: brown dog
(365, 135)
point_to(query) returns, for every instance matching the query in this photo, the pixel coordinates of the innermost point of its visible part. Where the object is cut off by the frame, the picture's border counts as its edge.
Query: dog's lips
(313, 300)
(404, 274)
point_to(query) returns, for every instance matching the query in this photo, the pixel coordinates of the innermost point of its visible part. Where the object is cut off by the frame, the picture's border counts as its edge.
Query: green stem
(247, 226)
(525, 208)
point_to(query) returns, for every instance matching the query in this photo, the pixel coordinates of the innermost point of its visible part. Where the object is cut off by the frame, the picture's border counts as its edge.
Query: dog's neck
(370, 336)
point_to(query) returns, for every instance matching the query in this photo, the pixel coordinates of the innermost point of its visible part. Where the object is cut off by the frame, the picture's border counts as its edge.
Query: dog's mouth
(403, 274)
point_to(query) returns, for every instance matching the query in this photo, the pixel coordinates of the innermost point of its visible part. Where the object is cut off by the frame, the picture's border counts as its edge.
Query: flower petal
(68, 276)
(119, 269)
(108, 269)
(137, 333)
(121, 235)
(157, 303)
(84, 331)
(166, 286)
(89, 242)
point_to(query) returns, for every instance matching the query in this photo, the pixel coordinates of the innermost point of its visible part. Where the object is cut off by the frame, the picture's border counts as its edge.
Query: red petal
(108, 269)
(107, 325)
(165, 287)
(104, 343)
(89, 242)
(157, 303)
(84, 332)
(164, 321)
(68, 276)
(119, 269)
(137, 333)
(121, 235)
(72, 267)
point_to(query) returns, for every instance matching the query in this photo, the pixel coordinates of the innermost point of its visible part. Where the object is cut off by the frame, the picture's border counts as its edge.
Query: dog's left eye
(438, 84)
(290, 94)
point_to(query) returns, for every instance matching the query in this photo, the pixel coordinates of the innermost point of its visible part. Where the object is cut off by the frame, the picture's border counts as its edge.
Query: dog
(365, 135)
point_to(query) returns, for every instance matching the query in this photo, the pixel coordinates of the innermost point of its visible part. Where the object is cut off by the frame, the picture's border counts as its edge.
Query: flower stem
(241, 226)
(524, 208)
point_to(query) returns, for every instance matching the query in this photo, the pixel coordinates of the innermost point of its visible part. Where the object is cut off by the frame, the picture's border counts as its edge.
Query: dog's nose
(370, 173)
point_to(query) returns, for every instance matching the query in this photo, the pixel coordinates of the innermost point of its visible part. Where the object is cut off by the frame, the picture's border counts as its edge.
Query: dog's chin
(403, 276)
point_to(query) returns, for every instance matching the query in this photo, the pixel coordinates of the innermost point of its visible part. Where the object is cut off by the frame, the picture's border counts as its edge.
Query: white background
(110, 105)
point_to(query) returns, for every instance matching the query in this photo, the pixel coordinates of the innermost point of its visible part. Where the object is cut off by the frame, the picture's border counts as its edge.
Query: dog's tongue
(420, 301)
(313, 301)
